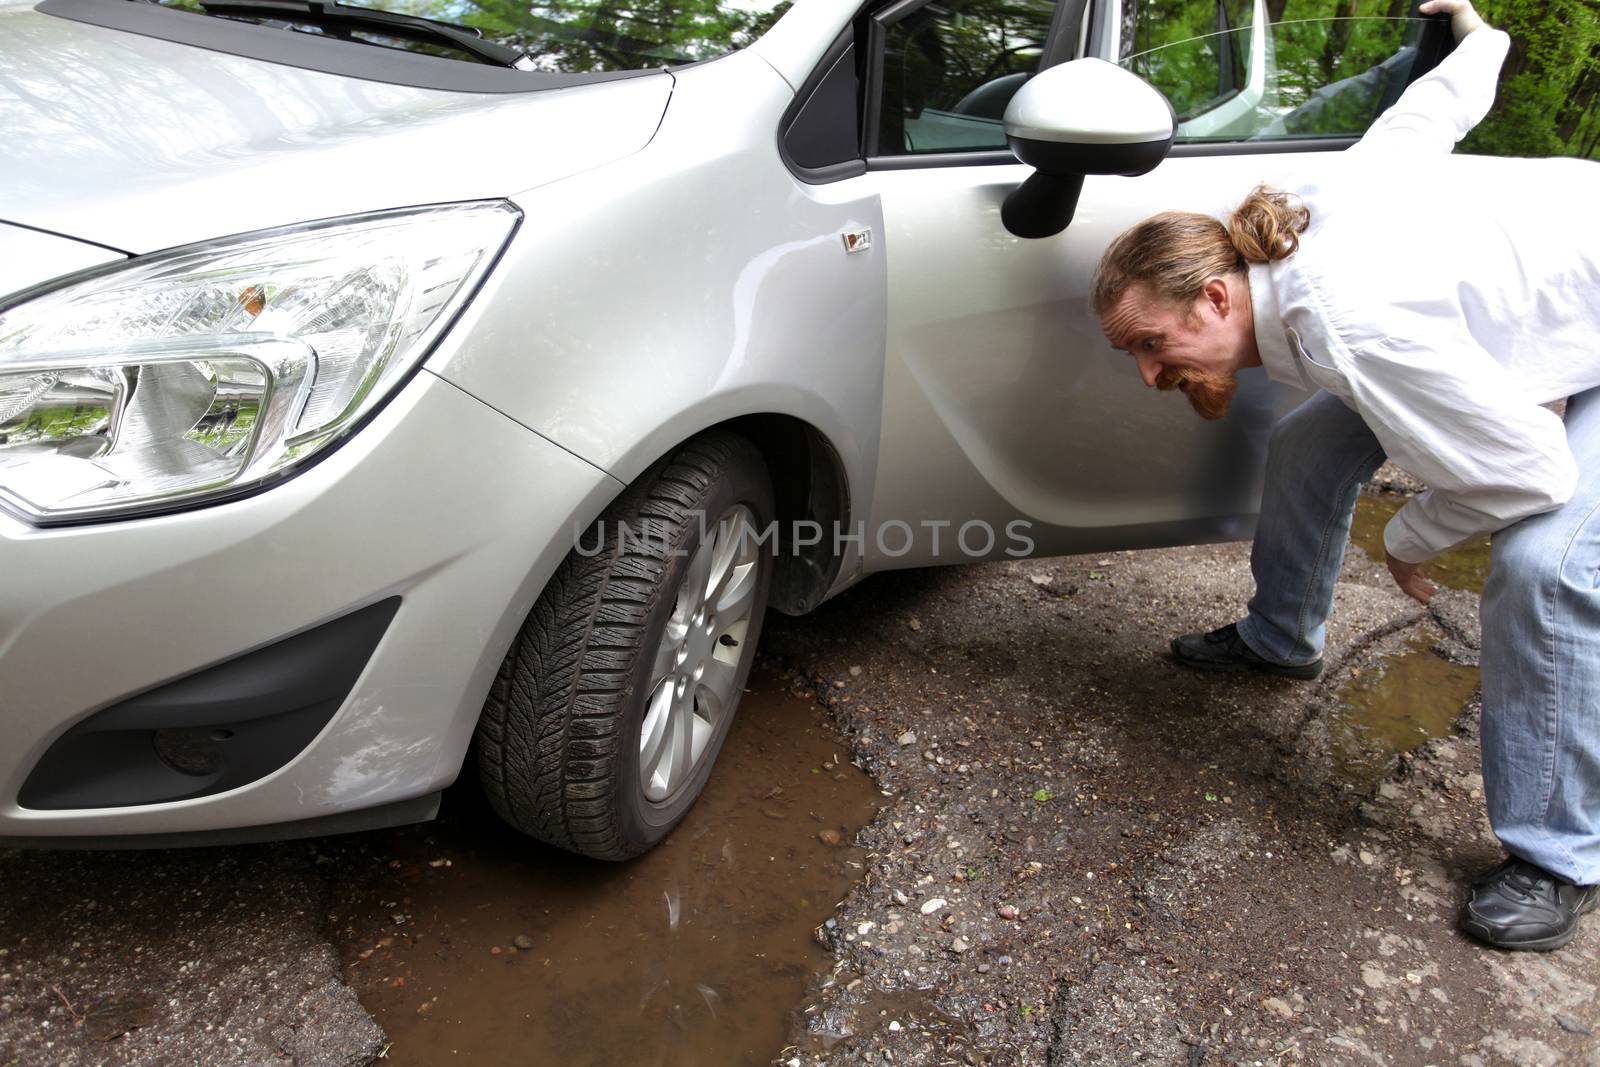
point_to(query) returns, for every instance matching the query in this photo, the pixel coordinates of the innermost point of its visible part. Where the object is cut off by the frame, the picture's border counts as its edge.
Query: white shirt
(1445, 298)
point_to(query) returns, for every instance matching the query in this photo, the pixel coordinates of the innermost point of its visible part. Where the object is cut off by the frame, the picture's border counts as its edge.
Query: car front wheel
(609, 710)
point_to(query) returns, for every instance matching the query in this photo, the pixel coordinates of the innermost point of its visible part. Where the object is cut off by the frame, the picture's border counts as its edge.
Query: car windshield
(562, 36)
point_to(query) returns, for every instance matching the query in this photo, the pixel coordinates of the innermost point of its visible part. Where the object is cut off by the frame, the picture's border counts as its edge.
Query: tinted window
(949, 69)
(1321, 68)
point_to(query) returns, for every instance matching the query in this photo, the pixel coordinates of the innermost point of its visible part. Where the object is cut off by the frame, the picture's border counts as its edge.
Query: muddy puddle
(471, 944)
(1463, 567)
(1388, 710)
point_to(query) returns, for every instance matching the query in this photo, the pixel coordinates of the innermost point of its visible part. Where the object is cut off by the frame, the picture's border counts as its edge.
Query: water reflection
(1464, 567)
(1415, 695)
(1391, 709)
(470, 943)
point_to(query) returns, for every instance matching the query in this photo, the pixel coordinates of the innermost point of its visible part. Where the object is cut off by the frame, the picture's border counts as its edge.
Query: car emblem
(857, 240)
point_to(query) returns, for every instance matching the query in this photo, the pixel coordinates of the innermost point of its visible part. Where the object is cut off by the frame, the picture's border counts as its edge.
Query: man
(1437, 308)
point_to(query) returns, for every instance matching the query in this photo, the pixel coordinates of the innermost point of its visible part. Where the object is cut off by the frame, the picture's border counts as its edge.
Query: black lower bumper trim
(214, 730)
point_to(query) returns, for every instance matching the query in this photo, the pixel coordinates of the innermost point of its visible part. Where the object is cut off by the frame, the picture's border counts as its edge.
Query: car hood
(139, 143)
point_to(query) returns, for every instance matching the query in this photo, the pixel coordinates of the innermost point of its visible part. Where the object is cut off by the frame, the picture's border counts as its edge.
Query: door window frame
(1105, 37)
(1078, 28)
(1061, 41)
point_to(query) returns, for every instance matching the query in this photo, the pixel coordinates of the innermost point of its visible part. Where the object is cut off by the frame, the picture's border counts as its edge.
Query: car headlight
(211, 369)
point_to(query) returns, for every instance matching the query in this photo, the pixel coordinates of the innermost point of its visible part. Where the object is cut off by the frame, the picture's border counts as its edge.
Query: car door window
(949, 68)
(1249, 70)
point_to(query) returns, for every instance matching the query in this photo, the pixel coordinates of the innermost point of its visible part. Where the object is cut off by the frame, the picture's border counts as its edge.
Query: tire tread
(549, 743)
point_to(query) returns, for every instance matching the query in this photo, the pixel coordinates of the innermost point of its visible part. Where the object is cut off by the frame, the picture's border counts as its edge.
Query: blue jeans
(1540, 611)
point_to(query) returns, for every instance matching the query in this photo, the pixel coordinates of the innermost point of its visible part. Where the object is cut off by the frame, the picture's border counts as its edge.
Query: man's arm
(1446, 412)
(1443, 106)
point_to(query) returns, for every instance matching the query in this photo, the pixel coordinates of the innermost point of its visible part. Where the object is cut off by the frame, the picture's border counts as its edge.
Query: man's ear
(1218, 296)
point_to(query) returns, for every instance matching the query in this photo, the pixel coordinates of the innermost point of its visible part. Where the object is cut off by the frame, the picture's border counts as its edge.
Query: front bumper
(442, 502)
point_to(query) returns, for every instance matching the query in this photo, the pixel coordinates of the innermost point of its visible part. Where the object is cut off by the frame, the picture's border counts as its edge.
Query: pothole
(470, 943)
(1464, 567)
(1392, 707)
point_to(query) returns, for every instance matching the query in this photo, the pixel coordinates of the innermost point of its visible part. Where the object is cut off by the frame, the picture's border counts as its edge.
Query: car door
(1009, 424)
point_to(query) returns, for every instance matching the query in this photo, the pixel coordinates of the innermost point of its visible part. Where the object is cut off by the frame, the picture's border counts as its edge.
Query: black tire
(558, 740)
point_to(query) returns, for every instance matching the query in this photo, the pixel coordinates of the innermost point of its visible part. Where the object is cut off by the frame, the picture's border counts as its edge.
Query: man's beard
(1209, 394)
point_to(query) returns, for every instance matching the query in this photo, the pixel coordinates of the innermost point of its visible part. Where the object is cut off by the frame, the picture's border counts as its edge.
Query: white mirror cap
(1089, 101)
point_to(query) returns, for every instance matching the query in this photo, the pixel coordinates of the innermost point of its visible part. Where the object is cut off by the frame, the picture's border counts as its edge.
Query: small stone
(522, 941)
(894, 1026)
(983, 968)
(855, 672)
(907, 738)
(959, 945)
(1008, 911)
(915, 623)
(866, 927)
(1278, 1007)
(1571, 1025)
(1366, 857)
(933, 904)
(495, 950)
(900, 898)
(829, 836)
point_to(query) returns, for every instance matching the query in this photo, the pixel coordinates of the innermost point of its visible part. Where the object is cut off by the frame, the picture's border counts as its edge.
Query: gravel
(205, 956)
(1092, 856)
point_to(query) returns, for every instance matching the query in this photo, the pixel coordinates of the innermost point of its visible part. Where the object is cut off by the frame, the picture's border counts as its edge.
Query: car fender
(694, 282)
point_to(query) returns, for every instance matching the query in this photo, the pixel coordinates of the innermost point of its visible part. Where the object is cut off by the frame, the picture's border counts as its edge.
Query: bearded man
(1435, 309)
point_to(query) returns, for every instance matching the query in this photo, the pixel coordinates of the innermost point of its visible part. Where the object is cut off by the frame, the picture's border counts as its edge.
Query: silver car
(380, 387)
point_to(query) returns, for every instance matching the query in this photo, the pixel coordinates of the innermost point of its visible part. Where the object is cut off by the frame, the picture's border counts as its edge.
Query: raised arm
(1442, 106)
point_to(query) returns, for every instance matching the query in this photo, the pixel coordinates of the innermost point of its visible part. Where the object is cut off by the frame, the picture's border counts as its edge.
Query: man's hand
(1463, 20)
(1408, 576)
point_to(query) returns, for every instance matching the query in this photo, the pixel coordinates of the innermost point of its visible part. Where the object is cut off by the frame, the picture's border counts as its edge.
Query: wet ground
(471, 945)
(1070, 852)
(1418, 692)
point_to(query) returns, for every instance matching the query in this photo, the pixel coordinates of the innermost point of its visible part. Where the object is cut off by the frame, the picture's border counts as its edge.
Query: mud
(1085, 855)
(692, 954)
(1392, 709)
(1095, 857)
(1463, 567)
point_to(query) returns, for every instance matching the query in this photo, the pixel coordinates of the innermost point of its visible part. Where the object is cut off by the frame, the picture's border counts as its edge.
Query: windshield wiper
(336, 16)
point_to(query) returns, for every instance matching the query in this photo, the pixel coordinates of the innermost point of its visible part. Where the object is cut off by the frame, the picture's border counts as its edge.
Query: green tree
(1548, 91)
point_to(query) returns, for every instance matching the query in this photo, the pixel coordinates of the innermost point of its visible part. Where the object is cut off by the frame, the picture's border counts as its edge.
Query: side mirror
(1083, 117)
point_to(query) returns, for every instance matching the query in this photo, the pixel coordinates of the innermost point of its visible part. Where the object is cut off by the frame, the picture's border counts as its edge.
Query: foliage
(1550, 88)
(1336, 64)
(607, 35)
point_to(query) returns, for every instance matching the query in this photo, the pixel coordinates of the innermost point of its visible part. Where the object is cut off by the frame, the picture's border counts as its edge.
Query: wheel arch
(811, 483)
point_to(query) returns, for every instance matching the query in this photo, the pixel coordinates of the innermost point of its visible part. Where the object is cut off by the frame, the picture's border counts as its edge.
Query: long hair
(1175, 253)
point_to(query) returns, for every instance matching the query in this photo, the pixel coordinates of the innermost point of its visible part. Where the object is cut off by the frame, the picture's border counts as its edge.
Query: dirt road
(1081, 855)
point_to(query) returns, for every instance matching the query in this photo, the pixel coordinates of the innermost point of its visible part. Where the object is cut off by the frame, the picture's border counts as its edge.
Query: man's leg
(1317, 459)
(1541, 683)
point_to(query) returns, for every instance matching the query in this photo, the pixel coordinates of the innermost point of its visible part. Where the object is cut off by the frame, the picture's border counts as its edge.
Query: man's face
(1189, 349)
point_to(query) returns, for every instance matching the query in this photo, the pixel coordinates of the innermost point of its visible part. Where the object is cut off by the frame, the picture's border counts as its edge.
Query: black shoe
(1519, 906)
(1225, 650)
